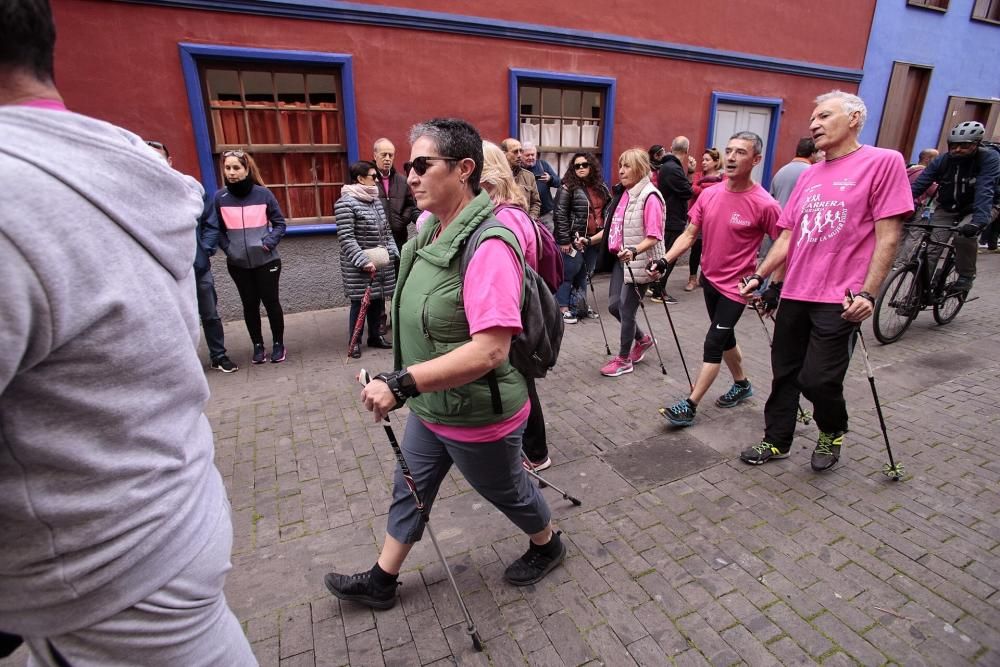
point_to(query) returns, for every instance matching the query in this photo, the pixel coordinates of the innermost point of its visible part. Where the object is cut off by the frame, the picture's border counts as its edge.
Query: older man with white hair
(840, 229)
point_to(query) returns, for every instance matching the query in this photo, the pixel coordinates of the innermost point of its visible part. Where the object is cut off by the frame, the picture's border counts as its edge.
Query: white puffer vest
(634, 230)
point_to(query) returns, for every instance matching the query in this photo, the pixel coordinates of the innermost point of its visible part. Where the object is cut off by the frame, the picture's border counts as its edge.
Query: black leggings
(694, 260)
(256, 286)
(725, 313)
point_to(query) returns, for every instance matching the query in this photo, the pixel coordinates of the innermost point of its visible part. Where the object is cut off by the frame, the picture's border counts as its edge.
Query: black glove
(770, 297)
(968, 230)
(659, 265)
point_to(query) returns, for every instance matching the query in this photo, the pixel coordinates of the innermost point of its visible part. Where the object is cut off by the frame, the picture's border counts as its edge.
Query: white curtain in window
(550, 134)
(570, 134)
(529, 132)
(589, 133)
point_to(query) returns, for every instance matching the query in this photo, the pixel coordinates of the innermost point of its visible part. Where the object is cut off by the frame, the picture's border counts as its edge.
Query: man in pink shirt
(839, 232)
(732, 219)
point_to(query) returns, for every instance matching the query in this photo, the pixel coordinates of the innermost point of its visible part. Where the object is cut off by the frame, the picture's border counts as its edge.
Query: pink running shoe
(639, 348)
(617, 366)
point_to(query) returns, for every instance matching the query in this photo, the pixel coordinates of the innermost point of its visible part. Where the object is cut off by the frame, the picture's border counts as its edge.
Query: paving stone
(731, 563)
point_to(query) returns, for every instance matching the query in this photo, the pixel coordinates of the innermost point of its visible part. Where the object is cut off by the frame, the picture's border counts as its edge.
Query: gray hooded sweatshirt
(107, 482)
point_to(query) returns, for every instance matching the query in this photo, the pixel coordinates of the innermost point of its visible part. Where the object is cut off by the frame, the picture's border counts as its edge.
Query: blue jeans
(572, 272)
(208, 311)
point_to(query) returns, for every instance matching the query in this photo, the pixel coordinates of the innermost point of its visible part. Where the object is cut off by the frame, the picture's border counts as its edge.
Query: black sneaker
(735, 396)
(535, 564)
(361, 589)
(962, 284)
(669, 300)
(277, 353)
(224, 364)
(827, 451)
(763, 453)
(679, 414)
(259, 354)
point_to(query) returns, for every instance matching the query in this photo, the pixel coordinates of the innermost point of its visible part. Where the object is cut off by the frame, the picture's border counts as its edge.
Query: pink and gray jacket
(251, 227)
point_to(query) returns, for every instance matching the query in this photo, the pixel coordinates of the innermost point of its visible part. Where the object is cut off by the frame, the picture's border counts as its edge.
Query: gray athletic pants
(492, 468)
(623, 303)
(187, 622)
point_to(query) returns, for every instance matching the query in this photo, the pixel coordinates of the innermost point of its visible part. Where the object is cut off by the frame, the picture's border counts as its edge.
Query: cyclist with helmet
(967, 184)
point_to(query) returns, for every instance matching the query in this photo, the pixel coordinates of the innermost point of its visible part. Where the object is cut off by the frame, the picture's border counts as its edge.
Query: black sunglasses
(156, 144)
(420, 165)
(581, 165)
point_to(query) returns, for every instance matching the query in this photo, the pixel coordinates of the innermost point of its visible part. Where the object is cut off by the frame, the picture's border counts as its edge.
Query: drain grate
(661, 459)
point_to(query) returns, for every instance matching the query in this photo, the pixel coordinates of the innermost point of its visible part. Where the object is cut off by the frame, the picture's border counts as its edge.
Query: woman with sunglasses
(252, 226)
(632, 235)
(580, 204)
(362, 225)
(711, 174)
(451, 338)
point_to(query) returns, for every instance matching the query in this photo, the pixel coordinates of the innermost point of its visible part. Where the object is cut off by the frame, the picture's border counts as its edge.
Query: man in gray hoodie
(115, 533)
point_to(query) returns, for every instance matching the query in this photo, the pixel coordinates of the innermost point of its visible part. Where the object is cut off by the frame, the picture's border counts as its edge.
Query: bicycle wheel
(897, 304)
(948, 306)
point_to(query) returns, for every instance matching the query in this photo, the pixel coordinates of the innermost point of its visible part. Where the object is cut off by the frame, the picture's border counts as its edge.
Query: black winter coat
(571, 213)
(675, 187)
(399, 205)
(360, 226)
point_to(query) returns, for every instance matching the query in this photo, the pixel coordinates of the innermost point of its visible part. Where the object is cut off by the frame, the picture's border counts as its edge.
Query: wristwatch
(401, 384)
(866, 296)
(631, 249)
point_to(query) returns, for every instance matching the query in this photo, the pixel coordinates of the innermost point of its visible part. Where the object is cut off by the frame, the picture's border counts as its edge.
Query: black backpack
(535, 350)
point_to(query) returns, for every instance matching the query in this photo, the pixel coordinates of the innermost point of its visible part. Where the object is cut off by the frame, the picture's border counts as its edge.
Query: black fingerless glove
(770, 296)
(659, 265)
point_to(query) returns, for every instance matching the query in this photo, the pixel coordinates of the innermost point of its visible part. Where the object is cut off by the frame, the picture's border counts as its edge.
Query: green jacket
(429, 320)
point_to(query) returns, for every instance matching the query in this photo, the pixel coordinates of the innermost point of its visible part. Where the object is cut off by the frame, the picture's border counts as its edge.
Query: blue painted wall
(965, 55)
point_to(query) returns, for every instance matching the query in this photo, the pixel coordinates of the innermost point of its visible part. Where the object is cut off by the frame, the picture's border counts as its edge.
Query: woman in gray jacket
(362, 224)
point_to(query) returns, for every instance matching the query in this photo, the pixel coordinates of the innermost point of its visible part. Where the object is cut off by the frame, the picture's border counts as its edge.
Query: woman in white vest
(635, 235)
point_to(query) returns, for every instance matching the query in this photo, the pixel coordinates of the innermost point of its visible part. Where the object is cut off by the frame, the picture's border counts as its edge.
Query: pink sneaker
(617, 366)
(639, 348)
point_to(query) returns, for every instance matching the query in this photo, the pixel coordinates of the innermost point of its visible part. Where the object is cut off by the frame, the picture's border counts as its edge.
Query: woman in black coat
(362, 224)
(580, 202)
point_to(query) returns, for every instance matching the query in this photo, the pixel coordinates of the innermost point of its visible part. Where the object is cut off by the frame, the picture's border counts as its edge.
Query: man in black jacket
(674, 185)
(400, 207)
(967, 185)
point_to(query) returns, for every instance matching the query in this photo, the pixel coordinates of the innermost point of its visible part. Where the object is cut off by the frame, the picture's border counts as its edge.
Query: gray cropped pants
(492, 468)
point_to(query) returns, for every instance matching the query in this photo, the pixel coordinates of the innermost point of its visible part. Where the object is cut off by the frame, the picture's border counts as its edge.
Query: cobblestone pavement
(680, 554)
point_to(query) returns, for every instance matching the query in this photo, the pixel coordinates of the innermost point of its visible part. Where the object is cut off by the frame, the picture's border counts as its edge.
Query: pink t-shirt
(492, 298)
(732, 225)
(832, 213)
(652, 221)
(518, 222)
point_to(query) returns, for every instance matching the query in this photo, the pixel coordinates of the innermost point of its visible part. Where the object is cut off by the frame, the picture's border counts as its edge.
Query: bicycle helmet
(966, 133)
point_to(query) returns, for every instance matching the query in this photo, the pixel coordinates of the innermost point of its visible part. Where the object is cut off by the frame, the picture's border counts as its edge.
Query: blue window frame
(773, 103)
(582, 100)
(294, 110)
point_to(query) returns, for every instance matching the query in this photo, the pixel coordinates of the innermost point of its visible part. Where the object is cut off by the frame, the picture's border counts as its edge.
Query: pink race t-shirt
(832, 213)
(492, 298)
(652, 221)
(732, 225)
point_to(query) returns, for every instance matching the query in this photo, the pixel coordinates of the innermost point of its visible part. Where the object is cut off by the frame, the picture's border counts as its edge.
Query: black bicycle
(911, 288)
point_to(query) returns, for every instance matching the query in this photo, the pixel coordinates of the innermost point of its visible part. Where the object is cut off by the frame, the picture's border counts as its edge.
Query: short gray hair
(381, 140)
(851, 103)
(753, 138)
(680, 145)
(525, 145)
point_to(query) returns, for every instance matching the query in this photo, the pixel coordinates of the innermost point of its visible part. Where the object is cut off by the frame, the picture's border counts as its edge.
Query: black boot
(373, 588)
(379, 343)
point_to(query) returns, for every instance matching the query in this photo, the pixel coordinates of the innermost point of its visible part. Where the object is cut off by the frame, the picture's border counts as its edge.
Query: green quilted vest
(429, 321)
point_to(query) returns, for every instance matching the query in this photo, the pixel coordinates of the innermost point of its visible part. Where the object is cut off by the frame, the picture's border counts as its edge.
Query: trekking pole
(642, 306)
(542, 482)
(470, 627)
(804, 415)
(600, 320)
(892, 470)
(677, 340)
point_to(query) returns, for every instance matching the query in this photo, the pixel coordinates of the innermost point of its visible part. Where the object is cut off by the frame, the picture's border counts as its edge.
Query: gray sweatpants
(492, 468)
(187, 622)
(623, 303)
